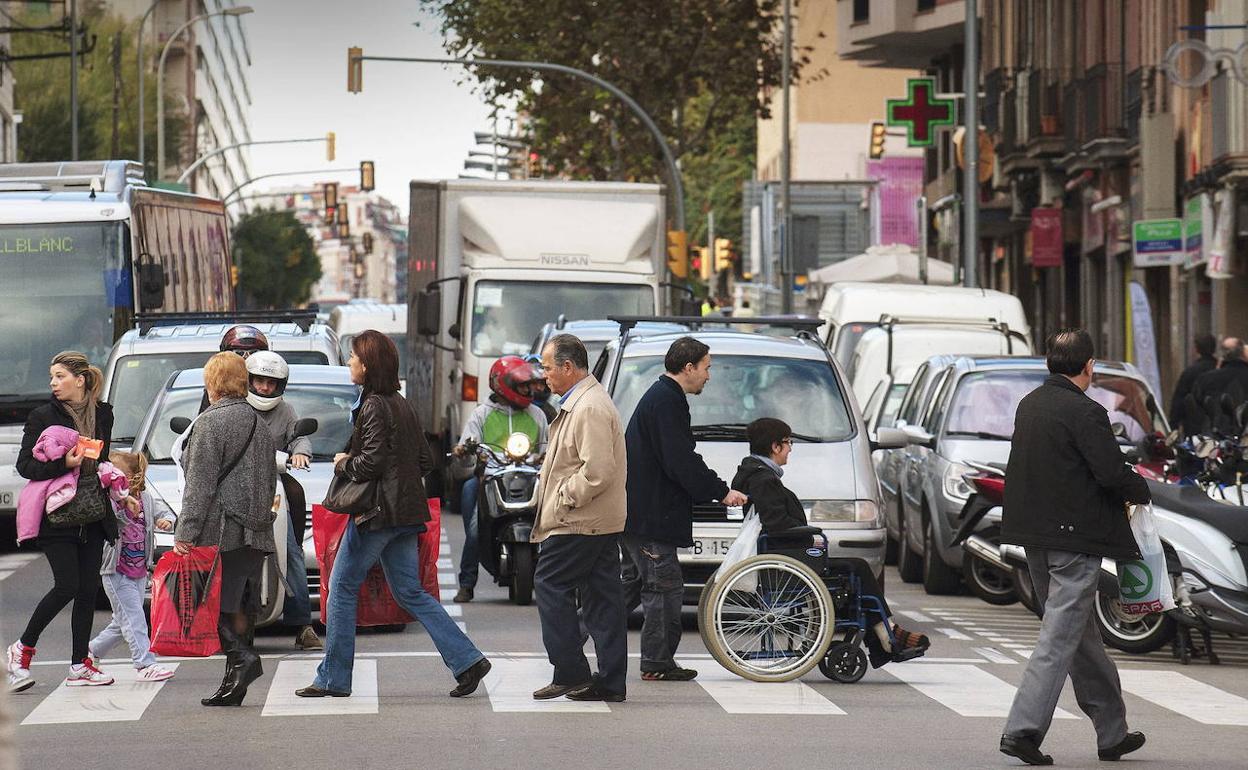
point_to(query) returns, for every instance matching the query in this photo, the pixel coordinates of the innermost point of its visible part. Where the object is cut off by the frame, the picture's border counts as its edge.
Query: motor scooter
(506, 510)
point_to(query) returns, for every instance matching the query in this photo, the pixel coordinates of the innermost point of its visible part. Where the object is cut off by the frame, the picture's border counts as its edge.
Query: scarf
(83, 415)
(770, 463)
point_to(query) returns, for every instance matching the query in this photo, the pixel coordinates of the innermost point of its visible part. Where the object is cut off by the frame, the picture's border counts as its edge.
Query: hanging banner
(1158, 242)
(1219, 266)
(1046, 237)
(1143, 341)
(1193, 231)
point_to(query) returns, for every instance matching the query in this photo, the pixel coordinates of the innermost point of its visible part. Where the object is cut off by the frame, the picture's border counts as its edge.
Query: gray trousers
(652, 579)
(1069, 644)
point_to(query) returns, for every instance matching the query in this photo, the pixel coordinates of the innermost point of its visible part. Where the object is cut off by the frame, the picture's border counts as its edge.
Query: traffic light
(355, 70)
(700, 262)
(705, 263)
(723, 254)
(677, 253)
(535, 166)
(331, 201)
(331, 139)
(366, 176)
(233, 276)
(367, 238)
(877, 140)
(343, 222)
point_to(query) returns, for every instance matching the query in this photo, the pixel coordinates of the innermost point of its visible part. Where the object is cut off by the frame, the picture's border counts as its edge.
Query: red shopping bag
(377, 606)
(430, 545)
(186, 600)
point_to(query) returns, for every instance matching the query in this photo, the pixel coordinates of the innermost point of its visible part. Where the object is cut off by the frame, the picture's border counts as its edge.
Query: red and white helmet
(511, 378)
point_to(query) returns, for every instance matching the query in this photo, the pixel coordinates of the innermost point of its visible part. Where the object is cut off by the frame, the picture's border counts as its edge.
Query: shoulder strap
(239, 457)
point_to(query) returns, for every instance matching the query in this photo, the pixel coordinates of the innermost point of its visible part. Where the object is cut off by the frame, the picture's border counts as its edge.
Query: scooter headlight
(518, 446)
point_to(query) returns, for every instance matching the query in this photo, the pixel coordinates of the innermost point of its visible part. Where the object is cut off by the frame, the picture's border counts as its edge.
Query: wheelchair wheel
(769, 618)
(845, 663)
(704, 601)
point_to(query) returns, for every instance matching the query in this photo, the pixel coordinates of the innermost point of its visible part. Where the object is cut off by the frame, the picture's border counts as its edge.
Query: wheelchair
(775, 616)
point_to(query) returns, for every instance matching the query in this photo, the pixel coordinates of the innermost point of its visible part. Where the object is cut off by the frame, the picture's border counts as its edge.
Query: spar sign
(1136, 588)
(1158, 242)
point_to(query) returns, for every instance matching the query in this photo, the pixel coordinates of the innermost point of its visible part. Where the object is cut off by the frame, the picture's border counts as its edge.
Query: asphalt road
(944, 711)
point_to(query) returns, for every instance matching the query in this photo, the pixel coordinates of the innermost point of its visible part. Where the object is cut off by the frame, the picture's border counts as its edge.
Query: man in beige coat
(579, 521)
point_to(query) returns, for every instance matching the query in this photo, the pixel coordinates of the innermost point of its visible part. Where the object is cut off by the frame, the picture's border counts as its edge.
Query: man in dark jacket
(665, 478)
(1066, 485)
(1230, 379)
(1205, 362)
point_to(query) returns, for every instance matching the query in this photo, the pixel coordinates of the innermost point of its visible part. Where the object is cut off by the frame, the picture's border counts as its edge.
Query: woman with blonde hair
(72, 536)
(228, 502)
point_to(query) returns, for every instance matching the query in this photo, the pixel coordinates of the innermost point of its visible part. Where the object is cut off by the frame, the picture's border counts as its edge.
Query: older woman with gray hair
(230, 479)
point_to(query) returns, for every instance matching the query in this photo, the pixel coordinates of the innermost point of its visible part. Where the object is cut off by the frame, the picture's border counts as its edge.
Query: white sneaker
(154, 673)
(18, 658)
(87, 676)
(20, 681)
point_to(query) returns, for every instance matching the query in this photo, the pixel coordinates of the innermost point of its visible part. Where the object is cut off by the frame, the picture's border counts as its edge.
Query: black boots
(242, 664)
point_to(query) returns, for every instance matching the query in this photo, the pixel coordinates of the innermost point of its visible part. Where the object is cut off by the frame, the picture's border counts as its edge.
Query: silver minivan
(792, 378)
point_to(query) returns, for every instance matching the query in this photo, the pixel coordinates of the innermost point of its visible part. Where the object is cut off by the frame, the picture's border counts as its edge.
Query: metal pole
(920, 205)
(202, 159)
(970, 148)
(786, 200)
(673, 171)
(73, 79)
(709, 257)
(142, 94)
(226, 198)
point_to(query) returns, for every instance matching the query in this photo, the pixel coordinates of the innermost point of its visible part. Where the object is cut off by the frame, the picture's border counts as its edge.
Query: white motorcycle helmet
(265, 363)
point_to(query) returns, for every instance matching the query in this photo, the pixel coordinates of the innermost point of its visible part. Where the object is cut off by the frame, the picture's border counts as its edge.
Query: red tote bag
(186, 600)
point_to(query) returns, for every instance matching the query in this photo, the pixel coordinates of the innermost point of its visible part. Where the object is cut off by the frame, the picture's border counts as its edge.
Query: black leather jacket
(389, 444)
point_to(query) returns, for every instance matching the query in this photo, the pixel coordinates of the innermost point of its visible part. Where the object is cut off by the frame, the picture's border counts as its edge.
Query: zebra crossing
(12, 562)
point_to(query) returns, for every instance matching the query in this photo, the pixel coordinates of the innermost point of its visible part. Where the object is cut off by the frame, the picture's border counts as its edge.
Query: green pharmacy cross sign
(921, 113)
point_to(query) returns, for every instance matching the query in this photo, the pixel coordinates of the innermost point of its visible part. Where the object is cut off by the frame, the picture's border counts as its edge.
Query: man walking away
(1205, 362)
(665, 478)
(579, 520)
(1231, 378)
(1064, 504)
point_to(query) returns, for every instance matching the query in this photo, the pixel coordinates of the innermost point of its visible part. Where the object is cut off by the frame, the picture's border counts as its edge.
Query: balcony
(1103, 131)
(1044, 115)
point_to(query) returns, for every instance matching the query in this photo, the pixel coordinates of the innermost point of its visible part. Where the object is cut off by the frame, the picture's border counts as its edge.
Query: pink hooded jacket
(37, 497)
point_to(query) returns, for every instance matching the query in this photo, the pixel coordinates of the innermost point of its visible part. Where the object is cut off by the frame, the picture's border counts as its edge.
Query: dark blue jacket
(665, 475)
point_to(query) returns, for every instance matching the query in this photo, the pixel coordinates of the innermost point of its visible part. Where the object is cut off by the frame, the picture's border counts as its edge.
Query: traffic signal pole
(970, 148)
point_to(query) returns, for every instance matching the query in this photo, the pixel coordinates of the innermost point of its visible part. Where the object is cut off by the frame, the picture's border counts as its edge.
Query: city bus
(84, 246)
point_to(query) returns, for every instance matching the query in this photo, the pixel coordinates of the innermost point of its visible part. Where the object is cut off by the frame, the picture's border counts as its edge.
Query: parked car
(792, 378)
(142, 360)
(968, 414)
(323, 393)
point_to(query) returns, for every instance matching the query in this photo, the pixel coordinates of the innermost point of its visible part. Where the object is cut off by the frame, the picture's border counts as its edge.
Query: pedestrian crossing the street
(123, 701)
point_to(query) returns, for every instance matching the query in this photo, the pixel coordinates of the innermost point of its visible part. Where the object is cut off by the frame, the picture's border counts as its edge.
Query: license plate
(6, 499)
(708, 548)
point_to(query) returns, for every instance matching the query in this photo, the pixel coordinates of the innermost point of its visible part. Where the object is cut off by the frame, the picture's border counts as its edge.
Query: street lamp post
(241, 10)
(142, 95)
(204, 158)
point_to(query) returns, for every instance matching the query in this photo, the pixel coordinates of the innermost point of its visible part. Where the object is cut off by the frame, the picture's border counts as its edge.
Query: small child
(125, 567)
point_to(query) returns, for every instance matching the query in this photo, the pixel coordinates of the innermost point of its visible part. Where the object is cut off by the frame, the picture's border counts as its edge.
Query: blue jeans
(397, 549)
(468, 563)
(129, 623)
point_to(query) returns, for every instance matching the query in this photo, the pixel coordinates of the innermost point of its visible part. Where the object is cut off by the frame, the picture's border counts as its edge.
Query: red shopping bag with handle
(186, 600)
(377, 606)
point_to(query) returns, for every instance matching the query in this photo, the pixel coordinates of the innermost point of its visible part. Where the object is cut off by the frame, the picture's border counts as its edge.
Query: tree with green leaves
(276, 259)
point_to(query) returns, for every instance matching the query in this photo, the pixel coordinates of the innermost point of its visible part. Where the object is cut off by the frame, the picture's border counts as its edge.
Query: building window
(925, 5)
(862, 10)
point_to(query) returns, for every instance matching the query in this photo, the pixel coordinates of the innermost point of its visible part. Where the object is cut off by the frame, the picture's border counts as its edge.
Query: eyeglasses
(788, 441)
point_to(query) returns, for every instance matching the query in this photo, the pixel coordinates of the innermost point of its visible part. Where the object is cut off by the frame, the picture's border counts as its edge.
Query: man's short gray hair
(569, 348)
(1232, 349)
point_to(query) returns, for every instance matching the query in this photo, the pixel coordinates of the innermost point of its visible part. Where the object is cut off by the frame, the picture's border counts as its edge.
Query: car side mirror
(916, 436)
(179, 424)
(889, 438)
(428, 313)
(151, 285)
(306, 427)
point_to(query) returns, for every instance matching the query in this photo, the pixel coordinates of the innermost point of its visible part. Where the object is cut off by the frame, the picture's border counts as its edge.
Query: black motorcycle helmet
(244, 340)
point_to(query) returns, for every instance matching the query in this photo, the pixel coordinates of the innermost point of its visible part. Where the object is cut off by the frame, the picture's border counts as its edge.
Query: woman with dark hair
(388, 448)
(771, 442)
(72, 537)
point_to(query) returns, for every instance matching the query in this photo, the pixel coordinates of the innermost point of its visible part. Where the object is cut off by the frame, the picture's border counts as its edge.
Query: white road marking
(741, 696)
(511, 683)
(916, 616)
(454, 610)
(447, 580)
(953, 633)
(995, 656)
(123, 701)
(1024, 653)
(462, 626)
(1183, 695)
(293, 674)
(445, 564)
(967, 690)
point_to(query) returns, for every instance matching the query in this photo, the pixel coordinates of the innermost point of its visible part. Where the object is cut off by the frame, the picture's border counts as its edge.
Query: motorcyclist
(541, 391)
(267, 374)
(510, 409)
(243, 339)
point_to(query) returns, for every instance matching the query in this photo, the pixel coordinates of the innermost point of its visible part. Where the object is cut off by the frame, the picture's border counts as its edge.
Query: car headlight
(518, 446)
(956, 487)
(863, 514)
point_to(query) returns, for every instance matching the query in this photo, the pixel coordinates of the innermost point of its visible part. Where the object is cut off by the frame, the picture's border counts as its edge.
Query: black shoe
(1127, 745)
(675, 674)
(553, 690)
(463, 596)
(312, 691)
(242, 667)
(594, 692)
(469, 680)
(1024, 749)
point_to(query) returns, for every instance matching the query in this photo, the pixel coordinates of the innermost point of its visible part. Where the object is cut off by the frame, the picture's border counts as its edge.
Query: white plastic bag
(745, 546)
(1144, 584)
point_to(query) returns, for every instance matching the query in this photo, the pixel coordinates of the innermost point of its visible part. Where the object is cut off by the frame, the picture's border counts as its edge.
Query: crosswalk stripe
(447, 580)
(454, 610)
(293, 674)
(445, 564)
(916, 616)
(741, 696)
(967, 690)
(953, 633)
(994, 655)
(123, 701)
(1183, 695)
(511, 683)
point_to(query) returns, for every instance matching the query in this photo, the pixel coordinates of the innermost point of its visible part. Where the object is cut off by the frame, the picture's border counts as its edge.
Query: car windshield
(62, 287)
(329, 405)
(506, 316)
(138, 379)
(848, 340)
(892, 402)
(803, 393)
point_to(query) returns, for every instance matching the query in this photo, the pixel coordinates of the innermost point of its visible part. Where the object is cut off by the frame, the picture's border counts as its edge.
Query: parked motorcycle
(506, 510)
(986, 573)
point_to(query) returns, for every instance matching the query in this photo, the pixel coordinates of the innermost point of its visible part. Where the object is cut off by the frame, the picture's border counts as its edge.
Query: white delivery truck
(491, 262)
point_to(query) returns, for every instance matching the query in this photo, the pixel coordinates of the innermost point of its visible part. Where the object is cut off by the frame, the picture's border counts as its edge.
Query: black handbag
(87, 506)
(350, 497)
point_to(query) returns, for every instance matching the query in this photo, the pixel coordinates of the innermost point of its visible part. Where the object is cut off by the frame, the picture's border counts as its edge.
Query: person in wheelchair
(780, 511)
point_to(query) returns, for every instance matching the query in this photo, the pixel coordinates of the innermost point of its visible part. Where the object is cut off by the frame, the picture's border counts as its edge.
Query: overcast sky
(415, 120)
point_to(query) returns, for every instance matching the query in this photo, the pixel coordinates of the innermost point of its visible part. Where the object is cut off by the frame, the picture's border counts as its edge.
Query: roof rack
(303, 318)
(801, 323)
(889, 321)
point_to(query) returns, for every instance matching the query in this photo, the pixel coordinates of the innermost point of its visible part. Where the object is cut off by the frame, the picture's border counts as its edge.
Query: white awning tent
(895, 263)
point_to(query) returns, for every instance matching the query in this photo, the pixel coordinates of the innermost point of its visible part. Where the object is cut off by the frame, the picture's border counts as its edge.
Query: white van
(850, 309)
(354, 317)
